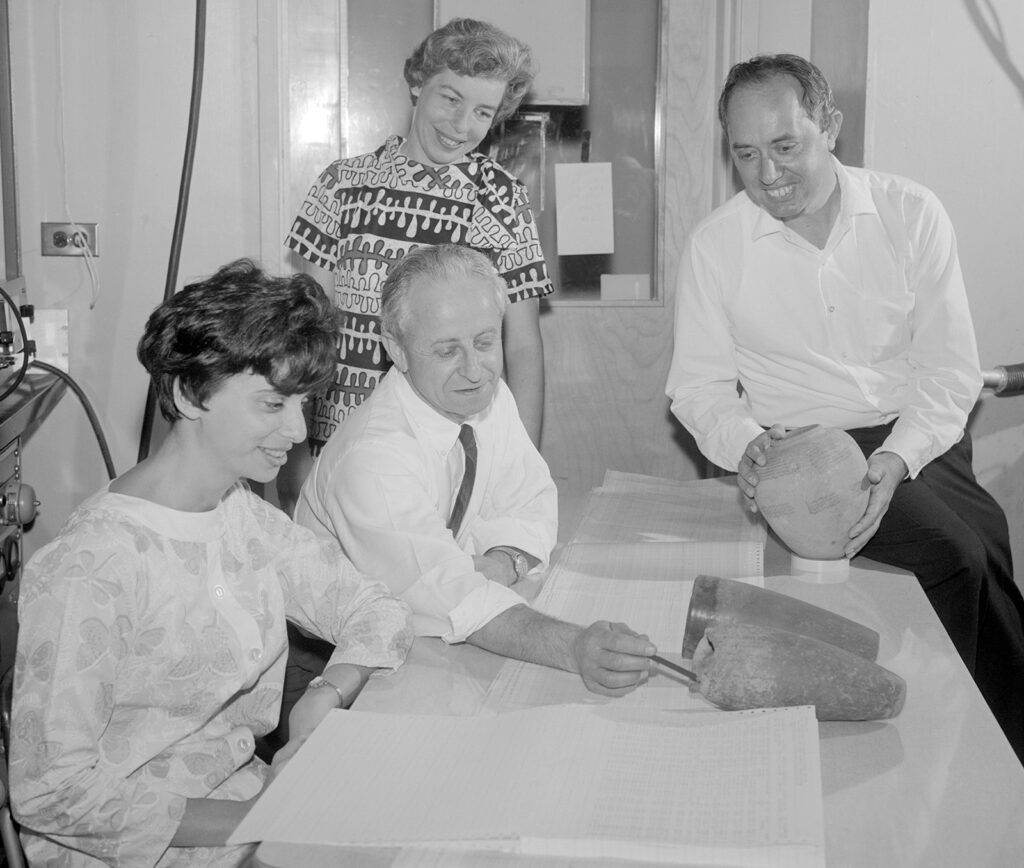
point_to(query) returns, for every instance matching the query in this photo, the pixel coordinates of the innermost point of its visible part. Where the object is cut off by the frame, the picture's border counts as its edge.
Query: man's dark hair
(817, 99)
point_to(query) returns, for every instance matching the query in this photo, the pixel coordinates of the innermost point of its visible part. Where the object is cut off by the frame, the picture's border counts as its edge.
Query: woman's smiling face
(452, 115)
(248, 427)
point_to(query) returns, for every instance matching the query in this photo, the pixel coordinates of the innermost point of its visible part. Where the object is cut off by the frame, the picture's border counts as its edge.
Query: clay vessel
(716, 601)
(812, 489)
(747, 666)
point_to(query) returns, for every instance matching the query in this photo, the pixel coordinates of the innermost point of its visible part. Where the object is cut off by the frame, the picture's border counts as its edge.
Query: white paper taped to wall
(583, 208)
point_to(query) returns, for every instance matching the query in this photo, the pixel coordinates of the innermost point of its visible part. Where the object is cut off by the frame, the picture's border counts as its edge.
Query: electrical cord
(146, 434)
(84, 248)
(87, 406)
(27, 347)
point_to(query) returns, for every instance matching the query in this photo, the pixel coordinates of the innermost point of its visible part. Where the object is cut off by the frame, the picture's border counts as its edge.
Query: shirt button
(218, 591)
(831, 308)
(255, 654)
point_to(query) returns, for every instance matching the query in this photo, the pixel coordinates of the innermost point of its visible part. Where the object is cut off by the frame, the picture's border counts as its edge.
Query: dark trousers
(947, 530)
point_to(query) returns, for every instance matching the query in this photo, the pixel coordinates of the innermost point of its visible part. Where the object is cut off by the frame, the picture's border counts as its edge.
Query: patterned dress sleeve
(327, 596)
(315, 231)
(504, 220)
(76, 631)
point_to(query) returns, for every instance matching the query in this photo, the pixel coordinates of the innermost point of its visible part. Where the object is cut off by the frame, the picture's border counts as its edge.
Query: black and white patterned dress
(363, 214)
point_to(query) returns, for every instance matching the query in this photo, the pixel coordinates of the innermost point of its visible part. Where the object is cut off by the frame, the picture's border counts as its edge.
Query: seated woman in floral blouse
(152, 645)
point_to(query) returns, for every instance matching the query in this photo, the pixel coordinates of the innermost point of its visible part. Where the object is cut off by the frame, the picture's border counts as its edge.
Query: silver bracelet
(320, 681)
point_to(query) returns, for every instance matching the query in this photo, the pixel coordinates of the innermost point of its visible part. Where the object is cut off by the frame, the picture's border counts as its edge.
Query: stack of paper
(717, 788)
(705, 522)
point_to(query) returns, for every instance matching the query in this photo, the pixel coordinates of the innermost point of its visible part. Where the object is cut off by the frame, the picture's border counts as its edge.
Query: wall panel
(606, 367)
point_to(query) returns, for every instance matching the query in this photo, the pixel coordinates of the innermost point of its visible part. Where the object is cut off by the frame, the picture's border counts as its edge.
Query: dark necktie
(468, 442)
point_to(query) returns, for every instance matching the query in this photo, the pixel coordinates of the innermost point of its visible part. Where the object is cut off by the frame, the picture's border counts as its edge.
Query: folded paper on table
(670, 562)
(716, 788)
(631, 508)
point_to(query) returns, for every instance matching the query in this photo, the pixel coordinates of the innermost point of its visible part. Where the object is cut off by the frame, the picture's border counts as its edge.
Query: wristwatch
(520, 565)
(320, 681)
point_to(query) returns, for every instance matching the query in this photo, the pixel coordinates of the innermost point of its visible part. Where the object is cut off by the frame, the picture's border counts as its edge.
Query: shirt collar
(440, 432)
(855, 198)
(392, 156)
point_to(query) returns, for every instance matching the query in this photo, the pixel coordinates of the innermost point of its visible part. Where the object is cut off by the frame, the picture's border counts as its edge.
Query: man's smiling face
(782, 155)
(450, 350)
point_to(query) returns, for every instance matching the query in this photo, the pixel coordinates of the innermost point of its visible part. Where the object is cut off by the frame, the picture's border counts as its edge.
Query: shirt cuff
(386, 661)
(537, 542)
(739, 438)
(480, 607)
(916, 449)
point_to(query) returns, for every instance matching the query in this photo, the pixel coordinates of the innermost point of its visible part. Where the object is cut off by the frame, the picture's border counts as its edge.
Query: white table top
(936, 786)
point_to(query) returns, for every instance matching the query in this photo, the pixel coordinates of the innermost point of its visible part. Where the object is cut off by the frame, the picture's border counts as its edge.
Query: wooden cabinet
(558, 31)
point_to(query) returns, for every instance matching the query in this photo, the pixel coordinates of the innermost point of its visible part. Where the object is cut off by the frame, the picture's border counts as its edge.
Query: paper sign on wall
(49, 330)
(583, 205)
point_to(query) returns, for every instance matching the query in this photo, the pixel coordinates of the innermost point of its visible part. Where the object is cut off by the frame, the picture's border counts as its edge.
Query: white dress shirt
(385, 484)
(873, 327)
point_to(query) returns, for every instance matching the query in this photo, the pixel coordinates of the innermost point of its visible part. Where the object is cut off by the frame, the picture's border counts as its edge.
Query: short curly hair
(475, 48)
(240, 320)
(817, 99)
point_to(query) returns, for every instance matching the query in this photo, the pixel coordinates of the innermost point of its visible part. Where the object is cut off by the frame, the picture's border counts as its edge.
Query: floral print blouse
(151, 654)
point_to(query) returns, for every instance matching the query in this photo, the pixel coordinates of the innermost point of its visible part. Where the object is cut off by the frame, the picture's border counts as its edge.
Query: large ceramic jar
(812, 489)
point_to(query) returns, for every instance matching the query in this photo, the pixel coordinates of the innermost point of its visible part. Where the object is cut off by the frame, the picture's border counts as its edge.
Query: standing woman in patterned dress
(364, 213)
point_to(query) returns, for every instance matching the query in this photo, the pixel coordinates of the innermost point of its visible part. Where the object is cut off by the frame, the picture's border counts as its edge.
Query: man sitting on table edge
(834, 296)
(387, 484)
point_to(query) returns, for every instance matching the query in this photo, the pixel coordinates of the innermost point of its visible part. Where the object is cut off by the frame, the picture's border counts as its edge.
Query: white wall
(945, 109)
(124, 93)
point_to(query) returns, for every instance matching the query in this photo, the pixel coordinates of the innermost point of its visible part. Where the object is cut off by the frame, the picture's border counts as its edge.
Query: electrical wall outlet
(69, 239)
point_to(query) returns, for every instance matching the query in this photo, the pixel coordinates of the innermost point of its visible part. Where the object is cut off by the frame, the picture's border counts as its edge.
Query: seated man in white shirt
(834, 296)
(387, 484)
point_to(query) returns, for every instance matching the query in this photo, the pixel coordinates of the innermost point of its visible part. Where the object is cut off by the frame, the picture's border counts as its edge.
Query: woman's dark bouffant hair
(241, 320)
(477, 49)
